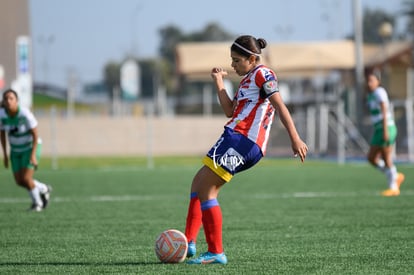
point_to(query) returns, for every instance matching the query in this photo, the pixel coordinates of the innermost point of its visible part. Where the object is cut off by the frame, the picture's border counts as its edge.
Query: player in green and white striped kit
(21, 127)
(385, 134)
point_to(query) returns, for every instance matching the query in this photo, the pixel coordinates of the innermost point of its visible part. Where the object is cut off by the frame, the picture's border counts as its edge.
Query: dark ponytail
(247, 45)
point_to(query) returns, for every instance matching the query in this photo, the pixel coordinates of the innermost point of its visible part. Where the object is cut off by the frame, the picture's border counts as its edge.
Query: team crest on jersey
(268, 75)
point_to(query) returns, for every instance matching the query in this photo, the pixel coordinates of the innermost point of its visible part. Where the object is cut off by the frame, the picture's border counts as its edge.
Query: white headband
(246, 50)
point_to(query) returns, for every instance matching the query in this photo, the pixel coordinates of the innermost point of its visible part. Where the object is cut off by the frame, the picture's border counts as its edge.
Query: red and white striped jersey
(253, 114)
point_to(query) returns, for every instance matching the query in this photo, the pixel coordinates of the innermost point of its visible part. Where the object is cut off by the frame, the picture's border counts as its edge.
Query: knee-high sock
(391, 174)
(41, 186)
(35, 195)
(193, 223)
(380, 165)
(212, 223)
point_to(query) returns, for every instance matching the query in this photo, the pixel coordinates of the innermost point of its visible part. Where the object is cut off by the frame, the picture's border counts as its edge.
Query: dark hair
(9, 91)
(249, 46)
(376, 73)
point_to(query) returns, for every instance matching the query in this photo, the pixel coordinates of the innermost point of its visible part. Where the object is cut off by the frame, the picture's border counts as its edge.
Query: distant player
(385, 134)
(21, 127)
(242, 144)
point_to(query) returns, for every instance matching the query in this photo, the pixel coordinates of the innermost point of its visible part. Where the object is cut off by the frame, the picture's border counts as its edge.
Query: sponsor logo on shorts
(231, 159)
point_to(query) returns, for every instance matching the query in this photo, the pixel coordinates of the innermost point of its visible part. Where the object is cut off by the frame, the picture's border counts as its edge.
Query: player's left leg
(193, 223)
(44, 189)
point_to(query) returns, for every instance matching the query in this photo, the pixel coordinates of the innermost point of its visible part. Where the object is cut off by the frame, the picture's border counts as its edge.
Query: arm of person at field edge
(226, 103)
(384, 122)
(33, 159)
(298, 146)
(3, 146)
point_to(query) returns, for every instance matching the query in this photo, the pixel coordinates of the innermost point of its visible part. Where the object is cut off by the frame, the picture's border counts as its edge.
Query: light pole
(385, 31)
(134, 46)
(46, 42)
(359, 61)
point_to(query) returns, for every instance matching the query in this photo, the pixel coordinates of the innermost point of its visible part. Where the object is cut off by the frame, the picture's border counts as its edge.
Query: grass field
(280, 217)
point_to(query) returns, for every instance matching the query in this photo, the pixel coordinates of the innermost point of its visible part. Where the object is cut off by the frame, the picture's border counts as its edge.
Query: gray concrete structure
(14, 21)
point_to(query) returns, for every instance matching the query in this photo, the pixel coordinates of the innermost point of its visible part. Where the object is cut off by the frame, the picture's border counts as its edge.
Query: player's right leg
(375, 159)
(23, 178)
(382, 150)
(394, 178)
(207, 185)
(45, 191)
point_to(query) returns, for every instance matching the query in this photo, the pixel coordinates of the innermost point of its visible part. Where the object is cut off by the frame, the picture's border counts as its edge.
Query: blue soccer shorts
(231, 154)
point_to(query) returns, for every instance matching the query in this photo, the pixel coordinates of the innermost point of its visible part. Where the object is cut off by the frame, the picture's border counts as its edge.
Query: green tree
(172, 35)
(372, 22)
(212, 32)
(112, 76)
(153, 73)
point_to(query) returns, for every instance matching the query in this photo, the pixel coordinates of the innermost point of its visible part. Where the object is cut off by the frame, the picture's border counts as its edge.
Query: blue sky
(83, 35)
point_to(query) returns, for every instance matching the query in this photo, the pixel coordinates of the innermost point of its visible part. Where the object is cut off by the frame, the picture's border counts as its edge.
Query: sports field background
(280, 217)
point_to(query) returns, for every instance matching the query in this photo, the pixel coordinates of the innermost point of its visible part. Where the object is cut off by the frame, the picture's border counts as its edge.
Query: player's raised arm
(226, 103)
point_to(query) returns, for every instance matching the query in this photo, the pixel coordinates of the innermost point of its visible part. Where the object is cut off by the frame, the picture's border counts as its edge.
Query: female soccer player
(385, 133)
(242, 144)
(21, 126)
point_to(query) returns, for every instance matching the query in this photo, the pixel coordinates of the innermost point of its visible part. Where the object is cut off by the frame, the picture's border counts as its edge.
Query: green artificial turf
(280, 217)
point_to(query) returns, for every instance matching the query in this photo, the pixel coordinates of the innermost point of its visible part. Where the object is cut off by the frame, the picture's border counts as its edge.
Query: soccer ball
(171, 246)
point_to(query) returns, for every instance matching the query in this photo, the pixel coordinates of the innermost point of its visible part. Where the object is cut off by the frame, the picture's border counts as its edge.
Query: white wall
(129, 136)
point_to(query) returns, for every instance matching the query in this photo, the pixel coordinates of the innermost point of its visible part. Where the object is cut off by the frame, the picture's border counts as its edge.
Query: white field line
(89, 199)
(297, 195)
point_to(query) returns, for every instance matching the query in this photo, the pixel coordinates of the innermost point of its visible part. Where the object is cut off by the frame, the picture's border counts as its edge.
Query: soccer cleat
(35, 208)
(394, 192)
(209, 258)
(191, 249)
(400, 179)
(45, 197)
(390, 193)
